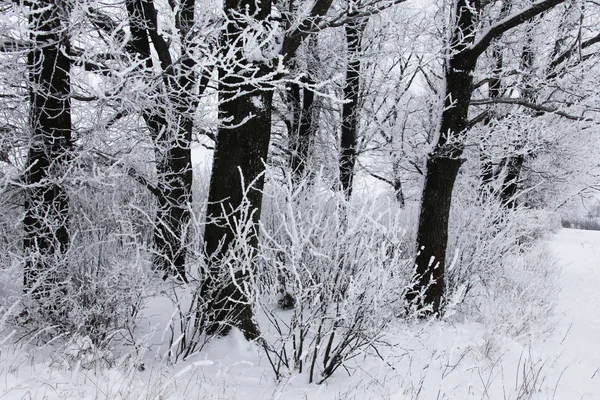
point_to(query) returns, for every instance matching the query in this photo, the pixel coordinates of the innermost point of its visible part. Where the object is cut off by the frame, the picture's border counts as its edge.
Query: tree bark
(354, 30)
(170, 123)
(442, 169)
(242, 147)
(241, 150)
(47, 203)
(173, 213)
(398, 192)
(510, 184)
(443, 164)
(175, 173)
(301, 129)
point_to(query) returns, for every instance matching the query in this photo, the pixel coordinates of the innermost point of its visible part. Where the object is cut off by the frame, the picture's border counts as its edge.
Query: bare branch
(478, 119)
(569, 53)
(293, 40)
(160, 44)
(381, 178)
(499, 28)
(11, 45)
(314, 23)
(109, 160)
(104, 22)
(528, 104)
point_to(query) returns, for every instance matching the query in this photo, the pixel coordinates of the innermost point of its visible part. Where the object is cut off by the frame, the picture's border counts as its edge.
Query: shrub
(343, 266)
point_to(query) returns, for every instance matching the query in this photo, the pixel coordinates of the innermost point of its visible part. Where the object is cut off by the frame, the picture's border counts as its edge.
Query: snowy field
(450, 359)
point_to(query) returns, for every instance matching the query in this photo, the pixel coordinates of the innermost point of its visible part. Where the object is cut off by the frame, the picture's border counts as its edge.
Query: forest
(304, 177)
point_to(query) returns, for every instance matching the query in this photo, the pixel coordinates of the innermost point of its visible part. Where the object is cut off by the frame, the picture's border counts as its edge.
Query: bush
(500, 271)
(342, 265)
(98, 286)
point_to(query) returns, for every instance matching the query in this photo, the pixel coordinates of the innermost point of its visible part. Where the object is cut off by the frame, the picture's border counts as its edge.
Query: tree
(170, 123)
(46, 219)
(529, 89)
(247, 78)
(301, 129)
(354, 31)
(242, 145)
(250, 71)
(466, 44)
(173, 86)
(494, 85)
(514, 162)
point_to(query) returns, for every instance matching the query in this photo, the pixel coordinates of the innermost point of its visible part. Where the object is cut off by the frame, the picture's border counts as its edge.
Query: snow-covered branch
(506, 24)
(530, 105)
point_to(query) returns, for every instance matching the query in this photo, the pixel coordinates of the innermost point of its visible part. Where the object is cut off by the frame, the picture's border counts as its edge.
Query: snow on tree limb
(570, 52)
(506, 24)
(314, 22)
(531, 105)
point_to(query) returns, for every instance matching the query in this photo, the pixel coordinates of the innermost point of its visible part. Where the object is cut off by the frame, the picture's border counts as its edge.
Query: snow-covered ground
(436, 360)
(578, 336)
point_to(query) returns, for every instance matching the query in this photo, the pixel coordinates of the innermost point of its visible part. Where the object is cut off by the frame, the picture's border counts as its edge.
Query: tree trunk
(514, 162)
(494, 91)
(170, 122)
(47, 204)
(432, 234)
(486, 173)
(399, 193)
(238, 166)
(443, 164)
(510, 184)
(172, 217)
(240, 153)
(301, 129)
(176, 177)
(354, 31)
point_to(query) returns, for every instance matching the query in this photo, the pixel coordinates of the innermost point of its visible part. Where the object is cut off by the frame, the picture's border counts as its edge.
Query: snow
(257, 102)
(579, 304)
(446, 359)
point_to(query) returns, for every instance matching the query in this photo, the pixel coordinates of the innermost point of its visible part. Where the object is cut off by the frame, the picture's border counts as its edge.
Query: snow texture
(428, 360)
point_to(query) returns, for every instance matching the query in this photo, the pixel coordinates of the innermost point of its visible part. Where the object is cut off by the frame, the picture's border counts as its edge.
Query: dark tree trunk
(487, 173)
(173, 213)
(432, 234)
(349, 134)
(47, 204)
(301, 128)
(175, 174)
(443, 164)
(510, 185)
(442, 169)
(399, 193)
(514, 162)
(240, 153)
(170, 123)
